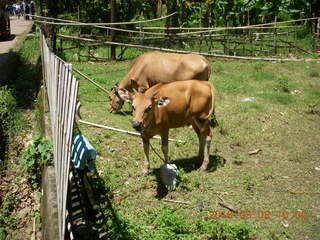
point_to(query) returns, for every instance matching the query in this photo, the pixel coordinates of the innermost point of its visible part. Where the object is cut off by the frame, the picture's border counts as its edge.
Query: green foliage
(284, 84)
(3, 234)
(171, 224)
(222, 230)
(248, 180)
(183, 180)
(8, 110)
(222, 127)
(30, 50)
(6, 219)
(38, 154)
(189, 12)
(9, 124)
(314, 74)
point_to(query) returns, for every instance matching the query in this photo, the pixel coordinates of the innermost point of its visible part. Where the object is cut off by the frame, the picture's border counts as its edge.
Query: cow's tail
(212, 116)
(209, 70)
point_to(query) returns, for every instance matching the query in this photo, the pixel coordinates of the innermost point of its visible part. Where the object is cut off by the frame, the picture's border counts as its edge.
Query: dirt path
(19, 28)
(10, 60)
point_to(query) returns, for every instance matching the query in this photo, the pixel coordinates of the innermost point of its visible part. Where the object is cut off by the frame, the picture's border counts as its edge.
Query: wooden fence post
(275, 36)
(317, 36)
(113, 32)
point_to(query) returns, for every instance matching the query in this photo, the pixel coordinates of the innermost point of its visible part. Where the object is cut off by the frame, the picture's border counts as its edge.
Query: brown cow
(158, 67)
(173, 105)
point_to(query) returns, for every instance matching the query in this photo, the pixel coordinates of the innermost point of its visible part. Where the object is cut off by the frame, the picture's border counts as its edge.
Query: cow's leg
(205, 136)
(201, 142)
(164, 144)
(146, 163)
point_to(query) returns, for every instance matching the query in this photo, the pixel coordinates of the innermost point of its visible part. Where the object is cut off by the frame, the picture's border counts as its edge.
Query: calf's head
(115, 101)
(144, 106)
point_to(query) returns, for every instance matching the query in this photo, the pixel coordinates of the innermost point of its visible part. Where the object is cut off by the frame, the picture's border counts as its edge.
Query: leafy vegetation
(8, 115)
(38, 154)
(190, 12)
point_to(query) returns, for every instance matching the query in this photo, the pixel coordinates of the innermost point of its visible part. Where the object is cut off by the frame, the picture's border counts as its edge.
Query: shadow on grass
(19, 84)
(188, 165)
(22, 77)
(99, 220)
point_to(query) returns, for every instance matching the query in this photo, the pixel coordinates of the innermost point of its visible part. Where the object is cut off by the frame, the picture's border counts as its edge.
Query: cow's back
(159, 67)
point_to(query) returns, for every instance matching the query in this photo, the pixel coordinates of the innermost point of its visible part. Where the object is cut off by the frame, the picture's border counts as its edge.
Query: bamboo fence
(275, 41)
(61, 88)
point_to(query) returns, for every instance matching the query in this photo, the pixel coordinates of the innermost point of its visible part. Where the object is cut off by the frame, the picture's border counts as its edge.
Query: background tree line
(190, 12)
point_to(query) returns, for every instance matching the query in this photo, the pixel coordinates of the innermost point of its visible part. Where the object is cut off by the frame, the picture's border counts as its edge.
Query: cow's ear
(124, 95)
(162, 102)
(134, 86)
(154, 93)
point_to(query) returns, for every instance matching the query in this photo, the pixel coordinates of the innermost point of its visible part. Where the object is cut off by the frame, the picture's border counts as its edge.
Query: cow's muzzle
(137, 126)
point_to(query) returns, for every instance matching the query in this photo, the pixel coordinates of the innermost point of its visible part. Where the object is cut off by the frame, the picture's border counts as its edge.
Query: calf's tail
(211, 116)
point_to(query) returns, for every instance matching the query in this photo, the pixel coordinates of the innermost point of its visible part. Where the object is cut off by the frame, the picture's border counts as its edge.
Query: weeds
(314, 74)
(283, 84)
(222, 128)
(38, 154)
(183, 180)
(6, 219)
(8, 122)
(227, 230)
(248, 180)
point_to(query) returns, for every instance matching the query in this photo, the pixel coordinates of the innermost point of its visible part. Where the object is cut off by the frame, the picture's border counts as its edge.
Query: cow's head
(143, 107)
(115, 101)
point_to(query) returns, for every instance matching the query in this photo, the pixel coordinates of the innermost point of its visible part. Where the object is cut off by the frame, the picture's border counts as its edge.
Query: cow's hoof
(203, 168)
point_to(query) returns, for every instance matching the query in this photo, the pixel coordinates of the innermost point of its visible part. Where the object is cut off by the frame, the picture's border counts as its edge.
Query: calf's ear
(124, 95)
(162, 102)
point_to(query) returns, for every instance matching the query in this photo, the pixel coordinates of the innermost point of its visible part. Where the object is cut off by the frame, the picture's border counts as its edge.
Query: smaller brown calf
(173, 105)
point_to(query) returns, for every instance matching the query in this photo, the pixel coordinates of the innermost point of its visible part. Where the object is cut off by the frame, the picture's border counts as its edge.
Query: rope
(75, 23)
(124, 131)
(90, 80)
(183, 51)
(102, 27)
(201, 30)
(156, 153)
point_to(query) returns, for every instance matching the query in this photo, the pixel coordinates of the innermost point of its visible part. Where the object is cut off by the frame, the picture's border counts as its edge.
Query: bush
(38, 154)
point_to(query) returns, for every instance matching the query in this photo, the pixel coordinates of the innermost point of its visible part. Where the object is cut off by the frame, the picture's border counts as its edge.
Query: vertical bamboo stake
(140, 34)
(61, 50)
(317, 38)
(79, 29)
(275, 36)
(225, 40)
(113, 32)
(250, 33)
(200, 15)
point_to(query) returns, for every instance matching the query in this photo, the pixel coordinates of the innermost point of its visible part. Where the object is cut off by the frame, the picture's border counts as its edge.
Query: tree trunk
(159, 8)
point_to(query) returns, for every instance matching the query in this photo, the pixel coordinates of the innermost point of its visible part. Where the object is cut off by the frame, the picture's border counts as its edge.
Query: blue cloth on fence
(83, 154)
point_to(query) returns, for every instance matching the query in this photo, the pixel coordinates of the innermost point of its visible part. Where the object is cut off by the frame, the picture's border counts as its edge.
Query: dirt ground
(19, 29)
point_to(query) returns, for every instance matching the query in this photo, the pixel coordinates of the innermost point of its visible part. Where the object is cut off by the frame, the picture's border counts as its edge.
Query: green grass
(277, 122)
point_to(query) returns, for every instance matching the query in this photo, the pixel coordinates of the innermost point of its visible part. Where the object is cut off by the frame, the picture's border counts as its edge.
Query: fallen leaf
(254, 151)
